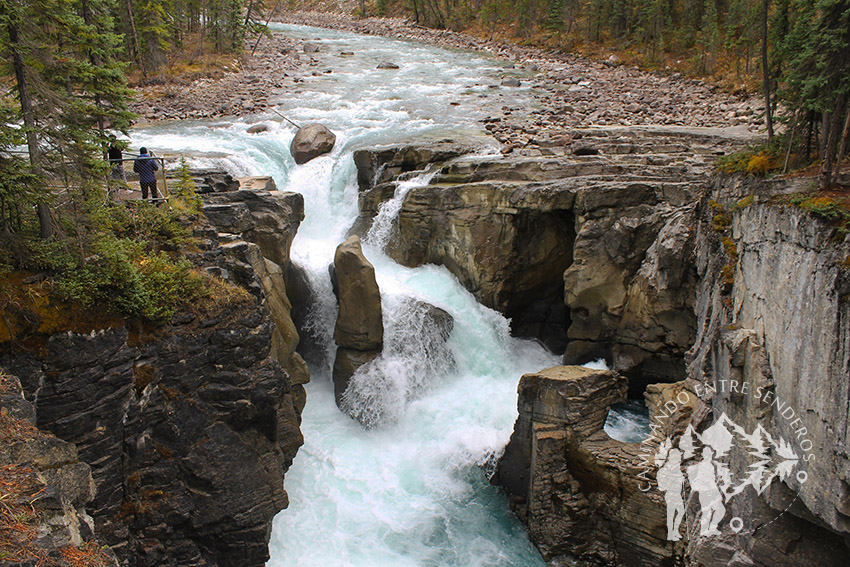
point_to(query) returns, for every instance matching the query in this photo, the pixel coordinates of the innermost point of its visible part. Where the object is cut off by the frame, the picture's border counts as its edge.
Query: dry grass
(187, 65)
(20, 487)
(29, 308)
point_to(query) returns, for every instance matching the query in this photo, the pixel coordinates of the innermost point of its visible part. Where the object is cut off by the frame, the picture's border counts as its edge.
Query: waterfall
(413, 489)
(382, 226)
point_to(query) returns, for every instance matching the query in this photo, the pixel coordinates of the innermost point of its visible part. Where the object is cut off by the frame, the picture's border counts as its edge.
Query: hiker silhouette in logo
(703, 479)
(670, 482)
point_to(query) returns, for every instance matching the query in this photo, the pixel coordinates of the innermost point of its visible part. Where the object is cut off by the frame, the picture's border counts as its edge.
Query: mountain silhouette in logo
(769, 457)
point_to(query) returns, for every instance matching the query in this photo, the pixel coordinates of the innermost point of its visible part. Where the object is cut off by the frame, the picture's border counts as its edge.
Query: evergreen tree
(154, 35)
(69, 88)
(817, 81)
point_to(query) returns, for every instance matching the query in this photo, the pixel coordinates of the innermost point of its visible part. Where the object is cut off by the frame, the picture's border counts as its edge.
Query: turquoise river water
(413, 490)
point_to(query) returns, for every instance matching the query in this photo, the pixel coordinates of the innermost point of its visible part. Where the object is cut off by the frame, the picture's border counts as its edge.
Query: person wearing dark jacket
(145, 166)
(116, 158)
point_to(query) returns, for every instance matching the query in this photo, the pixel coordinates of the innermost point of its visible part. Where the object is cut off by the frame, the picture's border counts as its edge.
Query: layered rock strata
(269, 220)
(45, 489)
(773, 349)
(359, 330)
(575, 488)
(188, 429)
(588, 253)
(766, 379)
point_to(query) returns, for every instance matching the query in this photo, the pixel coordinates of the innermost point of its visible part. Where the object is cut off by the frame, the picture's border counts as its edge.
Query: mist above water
(413, 489)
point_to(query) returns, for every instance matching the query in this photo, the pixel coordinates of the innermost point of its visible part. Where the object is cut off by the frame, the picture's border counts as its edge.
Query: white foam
(413, 490)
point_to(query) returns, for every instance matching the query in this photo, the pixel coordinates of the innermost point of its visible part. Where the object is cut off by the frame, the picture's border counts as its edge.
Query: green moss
(756, 161)
(830, 208)
(743, 203)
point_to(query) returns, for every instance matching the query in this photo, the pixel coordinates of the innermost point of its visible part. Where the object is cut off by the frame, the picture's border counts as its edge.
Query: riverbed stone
(311, 141)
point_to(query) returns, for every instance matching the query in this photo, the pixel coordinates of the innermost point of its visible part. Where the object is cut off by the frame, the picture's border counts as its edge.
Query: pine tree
(69, 88)
(151, 17)
(817, 81)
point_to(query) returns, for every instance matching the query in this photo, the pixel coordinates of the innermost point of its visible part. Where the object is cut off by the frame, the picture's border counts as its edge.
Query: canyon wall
(773, 319)
(188, 429)
(770, 361)
(585, 245)
(624, 245)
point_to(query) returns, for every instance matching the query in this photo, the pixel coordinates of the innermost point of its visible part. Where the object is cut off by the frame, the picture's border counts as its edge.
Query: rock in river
(312, 140)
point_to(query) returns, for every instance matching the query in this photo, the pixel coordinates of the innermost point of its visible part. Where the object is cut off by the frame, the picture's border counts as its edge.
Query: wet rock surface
(359, 331)
(311, 141)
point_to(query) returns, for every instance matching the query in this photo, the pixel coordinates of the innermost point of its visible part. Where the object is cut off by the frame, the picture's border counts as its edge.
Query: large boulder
(312, 140)
(359, 324)
(374, 387)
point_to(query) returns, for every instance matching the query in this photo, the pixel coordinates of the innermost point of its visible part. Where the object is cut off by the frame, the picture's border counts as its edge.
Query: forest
(795, 53)
(64, 66)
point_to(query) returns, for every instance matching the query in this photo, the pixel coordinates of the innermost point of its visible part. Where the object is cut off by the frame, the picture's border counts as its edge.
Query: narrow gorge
(441, 324)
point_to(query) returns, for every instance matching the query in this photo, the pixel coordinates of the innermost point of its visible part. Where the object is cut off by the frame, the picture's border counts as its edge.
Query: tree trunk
(95, 60)
(136, 38)
(790, 141)
(811, 119)
(28, 116)
(831, 133)
(843, 147)
(766, 72)
(248, 13)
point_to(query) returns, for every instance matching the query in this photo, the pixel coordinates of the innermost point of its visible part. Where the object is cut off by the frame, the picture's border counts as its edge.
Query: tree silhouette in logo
(711, 478)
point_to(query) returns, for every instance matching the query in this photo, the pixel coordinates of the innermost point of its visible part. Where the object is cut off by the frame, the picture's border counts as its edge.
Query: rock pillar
(576, 489)
(359, 331)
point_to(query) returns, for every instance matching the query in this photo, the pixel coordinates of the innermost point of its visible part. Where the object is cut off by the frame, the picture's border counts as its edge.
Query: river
(413, 490)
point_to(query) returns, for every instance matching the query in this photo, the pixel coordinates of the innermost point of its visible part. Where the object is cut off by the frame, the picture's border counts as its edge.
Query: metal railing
(161, 168)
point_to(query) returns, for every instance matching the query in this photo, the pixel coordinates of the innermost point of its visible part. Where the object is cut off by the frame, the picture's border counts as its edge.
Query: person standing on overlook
(146, 167)
(116, 158)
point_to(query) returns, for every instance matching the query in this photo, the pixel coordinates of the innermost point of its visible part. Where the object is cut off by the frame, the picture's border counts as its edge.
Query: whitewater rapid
(413, 490)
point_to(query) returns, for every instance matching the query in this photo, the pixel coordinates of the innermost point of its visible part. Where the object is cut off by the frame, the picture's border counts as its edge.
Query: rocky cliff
(768, 370)
(585, 244)
(44, 489)
(188, 429)
(773, 348)
(621, 244)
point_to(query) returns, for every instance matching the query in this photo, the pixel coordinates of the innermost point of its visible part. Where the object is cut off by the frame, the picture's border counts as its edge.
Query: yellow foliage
(759, 164)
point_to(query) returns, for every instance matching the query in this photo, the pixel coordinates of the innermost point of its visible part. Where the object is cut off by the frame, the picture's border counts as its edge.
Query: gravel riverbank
(571, 91)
